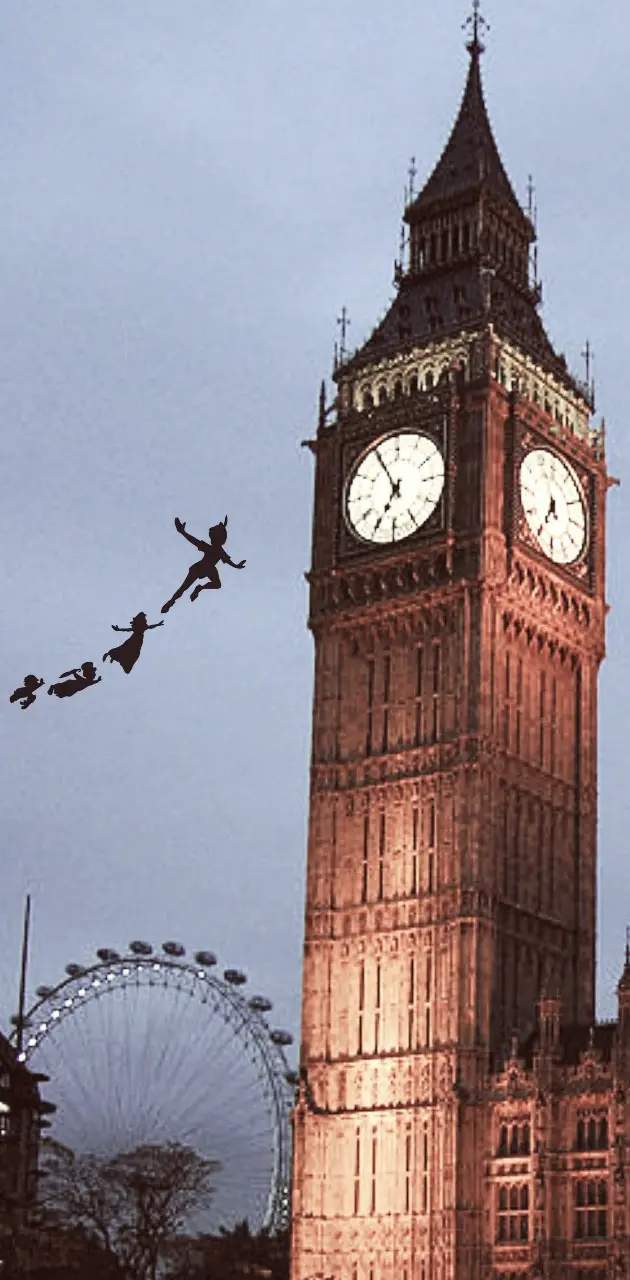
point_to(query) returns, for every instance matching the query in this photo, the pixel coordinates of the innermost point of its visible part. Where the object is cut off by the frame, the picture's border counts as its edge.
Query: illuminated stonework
(449, 1080)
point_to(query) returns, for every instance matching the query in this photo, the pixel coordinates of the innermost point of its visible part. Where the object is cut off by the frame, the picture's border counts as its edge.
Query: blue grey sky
(191, 190)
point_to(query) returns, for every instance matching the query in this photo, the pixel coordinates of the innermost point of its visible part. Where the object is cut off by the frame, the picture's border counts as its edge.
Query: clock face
(553, 505)
(394, 487)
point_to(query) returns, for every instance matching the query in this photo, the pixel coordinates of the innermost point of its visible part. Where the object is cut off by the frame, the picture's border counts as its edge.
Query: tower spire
(477, 23)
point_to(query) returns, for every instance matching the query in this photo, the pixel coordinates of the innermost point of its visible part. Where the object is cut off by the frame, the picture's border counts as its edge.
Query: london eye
(151, 1046)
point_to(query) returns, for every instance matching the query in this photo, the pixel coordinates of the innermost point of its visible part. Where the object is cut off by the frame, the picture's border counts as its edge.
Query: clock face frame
(553, 506)
(394, 487)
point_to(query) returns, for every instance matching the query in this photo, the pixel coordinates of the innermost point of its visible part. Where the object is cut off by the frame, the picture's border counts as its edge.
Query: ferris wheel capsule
(141, 948)
(260, 1004)
(107, 955)
(205, 958)
(173, 949)
(44, 992)
(235, 976)
(281, 1037)
(292, 1077)
(75, 970)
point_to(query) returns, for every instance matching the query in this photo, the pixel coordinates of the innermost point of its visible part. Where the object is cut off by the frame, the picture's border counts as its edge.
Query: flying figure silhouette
(27, 693)
(83, 678)
(207, 567)
(128, 652)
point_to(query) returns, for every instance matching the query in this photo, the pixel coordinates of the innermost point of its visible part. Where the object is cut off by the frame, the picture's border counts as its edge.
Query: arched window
(514, 1140)
(603, 1133)
(456, 239)
(382, 394)
(432, 249)
(368, 400)
(398, 389)
(466, 238)
(581, 1136)
(591, 1140)
(428, 382)
(525, 1140)
(503, 1141)
(413, 385)
(444, 245)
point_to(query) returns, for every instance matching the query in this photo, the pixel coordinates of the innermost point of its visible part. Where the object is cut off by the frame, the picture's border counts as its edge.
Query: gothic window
(513, 1213)
(357, 1170)
(411, 1004)
(507, 704)
(361, 1007)
(368, 400)
(377, 1007)
(456, 239)
(407, 1168)
(514, 1140)
(466, 238)
(431, 823)
(435, 692)
(444, 245)
(365, 858)
(413, 385)
(592, 1133)
(420, 680)
(427, 1000)
(519, 704)
(590, 1199)
(432, 248)
(425, 1169)
(382, 394)
(428, 382)
(381, 855)
(422, 253)
(370, 707)
(373, 1173)
(387, 667)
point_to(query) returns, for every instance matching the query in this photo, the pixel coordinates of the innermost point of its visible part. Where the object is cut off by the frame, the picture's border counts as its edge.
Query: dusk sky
(191, 191)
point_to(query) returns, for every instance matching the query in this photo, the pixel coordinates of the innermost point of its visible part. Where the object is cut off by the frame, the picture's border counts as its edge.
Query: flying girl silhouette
(27, 693)
(83, 678)
(128, 652)
(207, 567)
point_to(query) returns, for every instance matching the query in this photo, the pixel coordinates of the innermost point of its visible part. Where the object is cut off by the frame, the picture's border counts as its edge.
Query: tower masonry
(460, 1113)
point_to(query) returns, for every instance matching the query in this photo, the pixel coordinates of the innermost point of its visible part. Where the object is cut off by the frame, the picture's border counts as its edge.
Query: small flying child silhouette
(207, 567)
(128, 652)
(27, 693)
(83, 678)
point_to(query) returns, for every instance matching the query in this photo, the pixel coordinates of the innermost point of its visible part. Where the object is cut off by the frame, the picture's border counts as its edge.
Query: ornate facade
(460, 1113)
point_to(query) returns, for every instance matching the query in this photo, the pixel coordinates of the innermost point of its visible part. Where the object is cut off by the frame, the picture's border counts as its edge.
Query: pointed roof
(470, 158)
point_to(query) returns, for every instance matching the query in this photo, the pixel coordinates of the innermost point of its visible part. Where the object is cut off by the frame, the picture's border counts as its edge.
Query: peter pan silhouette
(27, 693)
(207, 567)
(83, 678)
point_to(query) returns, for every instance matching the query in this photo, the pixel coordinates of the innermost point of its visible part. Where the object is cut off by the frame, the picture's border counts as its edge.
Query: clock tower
(457, 608)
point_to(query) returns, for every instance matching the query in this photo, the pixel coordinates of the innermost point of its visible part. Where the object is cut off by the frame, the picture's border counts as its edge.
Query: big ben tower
(457, 608)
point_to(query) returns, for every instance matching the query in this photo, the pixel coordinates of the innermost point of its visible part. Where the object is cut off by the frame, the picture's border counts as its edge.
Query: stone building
(460, 1114)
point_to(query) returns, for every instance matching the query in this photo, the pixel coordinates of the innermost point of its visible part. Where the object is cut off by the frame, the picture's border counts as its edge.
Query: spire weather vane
(478, 23)
(340, 349)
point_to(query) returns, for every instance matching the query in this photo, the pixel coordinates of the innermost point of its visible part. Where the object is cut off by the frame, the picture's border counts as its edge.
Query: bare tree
(133, 1204)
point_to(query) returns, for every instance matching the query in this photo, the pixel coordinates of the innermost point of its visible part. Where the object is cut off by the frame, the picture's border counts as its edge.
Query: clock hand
(394, 483)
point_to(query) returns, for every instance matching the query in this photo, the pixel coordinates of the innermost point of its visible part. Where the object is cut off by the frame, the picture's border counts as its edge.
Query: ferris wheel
(149, 1047)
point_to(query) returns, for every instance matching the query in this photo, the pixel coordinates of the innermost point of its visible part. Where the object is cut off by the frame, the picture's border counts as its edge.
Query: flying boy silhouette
(83, 678)
(207, 567)
(27, 693)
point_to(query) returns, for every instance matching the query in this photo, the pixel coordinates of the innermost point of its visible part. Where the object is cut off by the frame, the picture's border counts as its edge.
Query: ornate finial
(411, 174)
(343, 321)
(478, 23)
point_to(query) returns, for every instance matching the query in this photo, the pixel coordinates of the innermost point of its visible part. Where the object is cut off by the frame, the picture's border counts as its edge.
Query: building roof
(470, 159)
